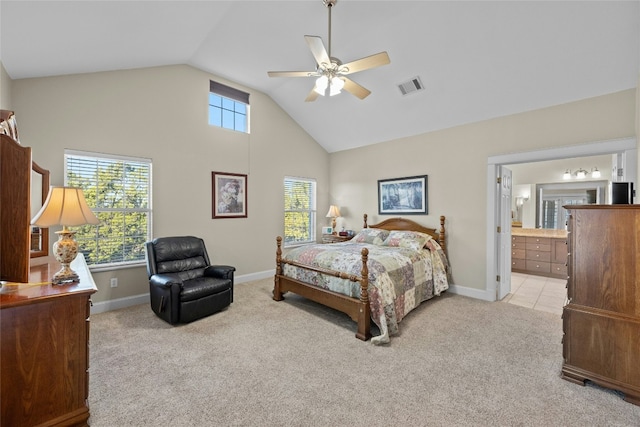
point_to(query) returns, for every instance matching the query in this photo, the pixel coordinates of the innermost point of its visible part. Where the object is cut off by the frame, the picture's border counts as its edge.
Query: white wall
(161, 113)
(456, 160)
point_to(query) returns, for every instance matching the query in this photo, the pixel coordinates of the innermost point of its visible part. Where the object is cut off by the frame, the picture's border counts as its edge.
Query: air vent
(413, 85)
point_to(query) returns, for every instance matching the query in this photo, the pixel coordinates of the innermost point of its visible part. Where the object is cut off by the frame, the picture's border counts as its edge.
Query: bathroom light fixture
(595, 173)
(567, 174)
(581, 173)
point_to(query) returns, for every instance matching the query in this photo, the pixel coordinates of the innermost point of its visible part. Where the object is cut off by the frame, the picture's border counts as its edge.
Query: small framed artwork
(229, 195)
(403, 196)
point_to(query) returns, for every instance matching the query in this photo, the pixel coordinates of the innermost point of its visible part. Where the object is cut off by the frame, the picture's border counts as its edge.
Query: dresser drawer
(540, 267)
(518, 239)
(539, 256)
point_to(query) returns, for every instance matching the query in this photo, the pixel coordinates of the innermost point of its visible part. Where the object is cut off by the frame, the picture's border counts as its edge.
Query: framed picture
(403, 195)
(229, 195)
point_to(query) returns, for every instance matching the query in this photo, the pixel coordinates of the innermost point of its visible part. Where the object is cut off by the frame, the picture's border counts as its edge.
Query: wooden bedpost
(365, 221)
(277, 294)
(441, 236)
(364, 311)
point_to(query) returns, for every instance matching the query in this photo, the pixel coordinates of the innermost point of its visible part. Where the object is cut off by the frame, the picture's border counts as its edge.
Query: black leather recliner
(184, 286)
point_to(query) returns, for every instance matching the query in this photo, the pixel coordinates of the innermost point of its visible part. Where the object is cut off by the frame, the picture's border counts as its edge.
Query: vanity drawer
(539, 240)
(517, 254)
(540, 247)
(538, 256)
(559, 269)
(518, 264)
(540, 267)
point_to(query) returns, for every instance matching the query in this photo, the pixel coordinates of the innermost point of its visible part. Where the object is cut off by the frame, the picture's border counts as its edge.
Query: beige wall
(161, 113)
(456, 161)
(5, 89)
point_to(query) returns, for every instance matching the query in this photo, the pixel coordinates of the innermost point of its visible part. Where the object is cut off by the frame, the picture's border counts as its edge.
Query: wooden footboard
(356, 308)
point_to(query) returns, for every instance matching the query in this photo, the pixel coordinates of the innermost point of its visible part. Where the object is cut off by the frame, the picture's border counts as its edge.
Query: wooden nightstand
(335, 238)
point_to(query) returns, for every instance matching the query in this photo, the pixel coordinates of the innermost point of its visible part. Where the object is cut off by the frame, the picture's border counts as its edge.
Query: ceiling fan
(331, 72)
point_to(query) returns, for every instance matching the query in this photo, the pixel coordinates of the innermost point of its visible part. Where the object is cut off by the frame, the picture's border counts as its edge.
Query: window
(299, 211)
(228, 107)
(118, 190)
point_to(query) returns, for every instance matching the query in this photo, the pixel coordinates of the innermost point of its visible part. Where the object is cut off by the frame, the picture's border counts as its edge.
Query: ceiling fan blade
(366, 63)
(355, 89)
(291, 73)
(317, 49)
(313, 95)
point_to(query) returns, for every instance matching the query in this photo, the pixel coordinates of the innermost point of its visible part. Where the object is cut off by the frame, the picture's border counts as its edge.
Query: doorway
(625, 149)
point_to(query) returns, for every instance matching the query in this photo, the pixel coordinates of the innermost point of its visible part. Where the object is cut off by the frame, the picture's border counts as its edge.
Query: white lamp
(595, 173)
(334, 213)
(65, 206)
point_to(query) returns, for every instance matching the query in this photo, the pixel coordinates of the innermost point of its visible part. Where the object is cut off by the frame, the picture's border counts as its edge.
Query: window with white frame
(299, 211)
(118, 191)
(228, 107)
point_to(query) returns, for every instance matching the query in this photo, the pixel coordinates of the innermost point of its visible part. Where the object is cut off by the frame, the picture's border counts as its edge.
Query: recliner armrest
(164, 280)
(220, 271)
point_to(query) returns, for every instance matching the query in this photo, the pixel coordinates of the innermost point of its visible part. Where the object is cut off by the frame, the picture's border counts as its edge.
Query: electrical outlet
(114, 282)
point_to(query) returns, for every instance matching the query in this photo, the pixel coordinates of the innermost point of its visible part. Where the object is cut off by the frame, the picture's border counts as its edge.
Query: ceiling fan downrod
(329, 4)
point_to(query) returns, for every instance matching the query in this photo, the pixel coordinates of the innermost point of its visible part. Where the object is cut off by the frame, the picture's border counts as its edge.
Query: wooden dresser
(540, 252)
(44, 348)
(601, 321)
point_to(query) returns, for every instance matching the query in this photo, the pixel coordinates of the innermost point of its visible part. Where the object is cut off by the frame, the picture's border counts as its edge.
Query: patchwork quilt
(400, 278)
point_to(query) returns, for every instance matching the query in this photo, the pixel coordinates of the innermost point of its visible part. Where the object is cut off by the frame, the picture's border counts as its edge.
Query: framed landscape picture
(406, 196)
(229, 195)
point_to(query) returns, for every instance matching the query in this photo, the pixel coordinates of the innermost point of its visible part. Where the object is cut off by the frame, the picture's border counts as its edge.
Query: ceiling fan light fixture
(336, 86)
(321, 85)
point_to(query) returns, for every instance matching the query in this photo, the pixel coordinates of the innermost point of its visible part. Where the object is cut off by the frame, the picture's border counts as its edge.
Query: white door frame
(624, 145)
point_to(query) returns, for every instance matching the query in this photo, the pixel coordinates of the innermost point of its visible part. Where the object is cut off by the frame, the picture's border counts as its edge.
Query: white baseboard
(115, 304)
(254, 276)
(481, 294)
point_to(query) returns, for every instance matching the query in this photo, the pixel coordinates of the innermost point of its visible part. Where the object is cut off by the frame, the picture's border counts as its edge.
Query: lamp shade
(64, 206)
(334, 212)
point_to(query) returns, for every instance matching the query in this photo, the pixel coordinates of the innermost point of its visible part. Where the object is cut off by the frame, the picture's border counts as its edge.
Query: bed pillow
(374, 236)
(407, 239)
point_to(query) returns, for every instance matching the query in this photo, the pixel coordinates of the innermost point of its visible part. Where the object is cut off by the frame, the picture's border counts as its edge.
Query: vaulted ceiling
(477, 60)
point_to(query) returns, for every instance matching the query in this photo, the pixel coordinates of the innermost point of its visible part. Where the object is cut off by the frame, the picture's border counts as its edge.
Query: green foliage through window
(299, 210)
(118, 191)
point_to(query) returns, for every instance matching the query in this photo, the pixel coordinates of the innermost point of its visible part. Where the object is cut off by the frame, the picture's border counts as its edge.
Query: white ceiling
(477, 59)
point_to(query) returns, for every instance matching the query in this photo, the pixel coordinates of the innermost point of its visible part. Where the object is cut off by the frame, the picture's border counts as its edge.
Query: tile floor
(537, 292)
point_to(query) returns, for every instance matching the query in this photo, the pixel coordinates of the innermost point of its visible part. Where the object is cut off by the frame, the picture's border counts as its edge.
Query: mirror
(39, 242)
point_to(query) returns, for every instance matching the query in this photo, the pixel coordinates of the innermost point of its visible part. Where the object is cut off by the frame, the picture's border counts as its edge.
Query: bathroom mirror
(39, 242)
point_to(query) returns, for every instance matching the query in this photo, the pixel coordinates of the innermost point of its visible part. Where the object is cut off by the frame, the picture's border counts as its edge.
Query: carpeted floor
(457, 362)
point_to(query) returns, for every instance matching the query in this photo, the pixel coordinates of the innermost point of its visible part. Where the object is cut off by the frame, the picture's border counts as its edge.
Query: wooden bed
(356, 308)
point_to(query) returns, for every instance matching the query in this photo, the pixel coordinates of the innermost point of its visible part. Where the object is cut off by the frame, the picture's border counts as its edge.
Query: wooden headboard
(409, 225)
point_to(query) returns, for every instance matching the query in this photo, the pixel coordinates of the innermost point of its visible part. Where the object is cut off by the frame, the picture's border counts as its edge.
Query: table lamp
(65, 206)
(334, 213)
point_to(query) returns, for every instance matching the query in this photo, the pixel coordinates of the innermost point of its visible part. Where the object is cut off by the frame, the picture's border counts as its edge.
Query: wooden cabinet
(15, 203)
(44, 378)
(542, 256)
(601, 321)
